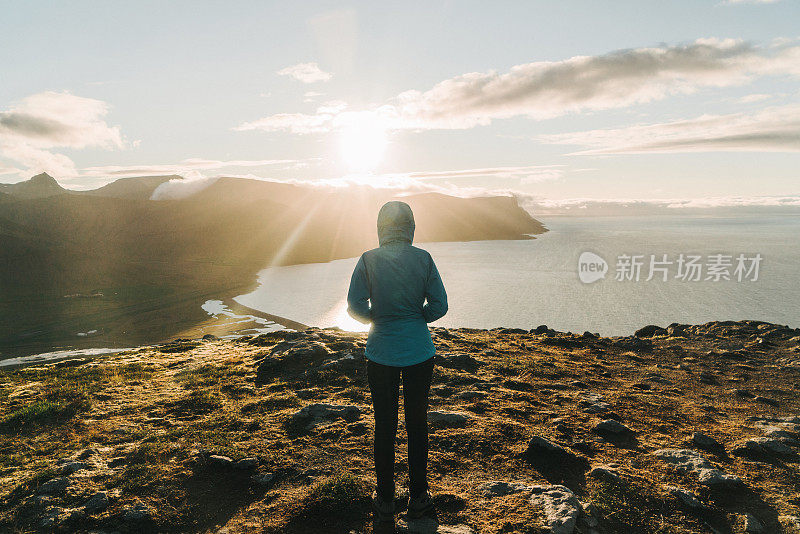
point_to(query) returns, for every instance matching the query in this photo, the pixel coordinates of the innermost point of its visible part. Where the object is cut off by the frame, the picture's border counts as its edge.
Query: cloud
(734, 2)
(547, 89)
(306, 73)
(526, 174)
(184, 167)
(632, 206)
(775, 129)
(193, 182)
(31, 128)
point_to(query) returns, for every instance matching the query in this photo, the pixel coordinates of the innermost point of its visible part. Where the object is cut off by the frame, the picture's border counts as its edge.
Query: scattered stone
(766, 400)
(605, 473)
(650, 331)
(51, 517)
(498, 488)
(706, 442)
(97, 503)
(429, 525)
(218, 460)
(752, 525)
(137, 512)
(70, 468)
(561, 507)
(714, 478)
(54, 486)
(684, 460)
(263, 479)
(472, 394)
(448, 418)
(461, 362)
(686, 498)
(743, 393)
(760, 447)
(246, 464)
(315, 414)
(611, 426)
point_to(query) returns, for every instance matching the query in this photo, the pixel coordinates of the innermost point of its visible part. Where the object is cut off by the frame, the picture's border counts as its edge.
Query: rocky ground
(684, 429)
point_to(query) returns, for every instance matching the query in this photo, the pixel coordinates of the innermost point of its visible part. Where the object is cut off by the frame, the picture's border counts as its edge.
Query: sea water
(525, 283)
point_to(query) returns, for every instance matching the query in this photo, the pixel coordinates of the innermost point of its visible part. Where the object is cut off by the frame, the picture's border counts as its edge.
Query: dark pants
(384, 384)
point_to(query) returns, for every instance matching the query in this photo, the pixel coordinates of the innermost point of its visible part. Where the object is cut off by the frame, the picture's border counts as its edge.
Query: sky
(562, 100)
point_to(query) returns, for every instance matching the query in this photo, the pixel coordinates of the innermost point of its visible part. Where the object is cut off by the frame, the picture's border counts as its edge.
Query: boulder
(611, 426)
(686, 498)
(606, 474)
(684, 460)
(650, 331)
(315, 414)
(560, 505)
(716, 479)
(497, 488)
(705, 442)
(96, 503)
(442, 418)
(54, 486)
(137, 512)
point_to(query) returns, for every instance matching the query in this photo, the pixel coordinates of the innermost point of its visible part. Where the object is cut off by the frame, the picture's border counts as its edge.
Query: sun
(363, 142)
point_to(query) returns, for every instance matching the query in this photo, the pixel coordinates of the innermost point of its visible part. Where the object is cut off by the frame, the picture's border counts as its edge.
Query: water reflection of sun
(338, 316)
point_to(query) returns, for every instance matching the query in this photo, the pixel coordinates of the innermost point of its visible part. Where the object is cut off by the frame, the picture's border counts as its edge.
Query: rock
(743, 393)
(650, 331)
(706, 442)
(315, 414)
(73, 467)
(765, 446)
(686, 498)
(246, 464)
(51, 517)
(54, 486)
(541, 329)
(605, 473)
(448, 418)
(218, 460)
(790, 521)
(263, 479)
(429, 525)
(97, 503)
(633, 343)
(498, 488)
(461, 362)
(472, 394)
(542, 451)
(684, 460)
(752, 525)
(766, 400)
(611, 426)
(561, 507)
(714, 478)
(209, 337)
(137, 513)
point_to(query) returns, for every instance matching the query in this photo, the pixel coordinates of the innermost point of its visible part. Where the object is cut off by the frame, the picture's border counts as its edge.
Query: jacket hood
(395, 223)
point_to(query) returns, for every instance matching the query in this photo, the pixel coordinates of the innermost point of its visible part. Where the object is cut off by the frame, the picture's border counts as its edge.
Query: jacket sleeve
(435, 295)
(358, 295)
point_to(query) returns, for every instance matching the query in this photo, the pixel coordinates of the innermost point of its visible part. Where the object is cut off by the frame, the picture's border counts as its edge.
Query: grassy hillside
(695, 429)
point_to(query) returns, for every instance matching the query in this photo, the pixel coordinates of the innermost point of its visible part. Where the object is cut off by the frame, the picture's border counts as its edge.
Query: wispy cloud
(31, 128)
(734, 2)
(183, 167)
(306, 73)
(775, 129)
(549, 89)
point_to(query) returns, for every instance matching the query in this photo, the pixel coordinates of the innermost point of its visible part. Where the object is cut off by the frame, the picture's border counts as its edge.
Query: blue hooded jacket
(397, 288)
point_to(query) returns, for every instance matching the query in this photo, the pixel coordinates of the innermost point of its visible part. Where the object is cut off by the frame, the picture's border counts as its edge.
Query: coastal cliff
(690, 428)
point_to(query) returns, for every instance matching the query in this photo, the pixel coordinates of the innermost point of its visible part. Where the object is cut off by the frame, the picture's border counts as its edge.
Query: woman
(389, 288)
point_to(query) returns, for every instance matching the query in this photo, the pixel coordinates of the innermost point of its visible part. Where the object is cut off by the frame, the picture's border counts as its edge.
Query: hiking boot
(420, 505)
(384, 510)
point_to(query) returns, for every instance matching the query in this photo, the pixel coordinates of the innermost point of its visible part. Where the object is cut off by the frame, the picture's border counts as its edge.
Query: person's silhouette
(397, 288)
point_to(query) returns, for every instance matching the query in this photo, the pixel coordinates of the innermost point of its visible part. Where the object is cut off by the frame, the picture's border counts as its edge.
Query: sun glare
(363, 142)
